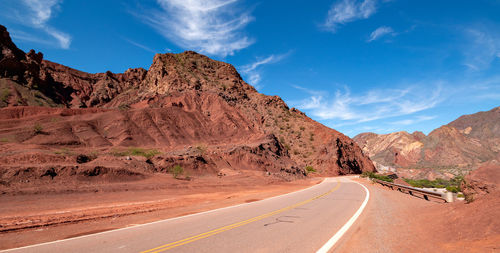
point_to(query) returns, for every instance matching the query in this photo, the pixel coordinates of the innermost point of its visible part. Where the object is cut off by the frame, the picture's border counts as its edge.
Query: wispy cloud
(252, 70)
(36, 14)
(210, 26)
(345, 11)
(414, 120)
(372, 105)
(380, 32)
(141, 46)
(483, 48)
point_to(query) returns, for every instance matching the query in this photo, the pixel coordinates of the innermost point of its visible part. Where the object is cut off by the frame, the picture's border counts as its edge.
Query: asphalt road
(302, 221)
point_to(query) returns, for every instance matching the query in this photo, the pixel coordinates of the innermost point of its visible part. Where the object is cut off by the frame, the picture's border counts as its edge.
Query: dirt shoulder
(37, 218)
(396, 222)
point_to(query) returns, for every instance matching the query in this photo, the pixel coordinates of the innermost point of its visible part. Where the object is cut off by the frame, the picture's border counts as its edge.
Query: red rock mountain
(187, 109)
(462, 145)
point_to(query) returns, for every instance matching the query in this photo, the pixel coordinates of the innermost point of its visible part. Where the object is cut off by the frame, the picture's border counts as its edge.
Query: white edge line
(330, 243)
(159, 221)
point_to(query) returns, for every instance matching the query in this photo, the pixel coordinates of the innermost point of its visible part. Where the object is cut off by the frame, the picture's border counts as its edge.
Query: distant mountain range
(462, 145)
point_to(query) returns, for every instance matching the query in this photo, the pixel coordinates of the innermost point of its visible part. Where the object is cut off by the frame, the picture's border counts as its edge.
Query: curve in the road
(301, 221)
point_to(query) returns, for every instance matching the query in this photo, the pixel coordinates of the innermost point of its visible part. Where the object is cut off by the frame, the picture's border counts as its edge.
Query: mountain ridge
(199, 112)
(459, 146)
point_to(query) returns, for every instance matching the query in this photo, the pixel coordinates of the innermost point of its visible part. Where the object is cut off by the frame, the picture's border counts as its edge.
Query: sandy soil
(37, 218)
(396, 222)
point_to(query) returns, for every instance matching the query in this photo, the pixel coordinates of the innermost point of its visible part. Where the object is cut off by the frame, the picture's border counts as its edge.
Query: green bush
(148, 153)
(176, 171)
(452, 185)
(310, 169)
(370, 174)
(453, 189)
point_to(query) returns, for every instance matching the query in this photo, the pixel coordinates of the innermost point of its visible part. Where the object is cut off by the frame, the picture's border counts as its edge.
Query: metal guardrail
(413, 190)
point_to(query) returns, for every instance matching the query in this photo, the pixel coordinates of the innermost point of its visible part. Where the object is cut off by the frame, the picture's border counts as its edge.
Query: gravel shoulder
(397, 222)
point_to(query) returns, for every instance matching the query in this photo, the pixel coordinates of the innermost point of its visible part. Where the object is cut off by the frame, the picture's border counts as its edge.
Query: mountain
(462, 145)
(186, 109)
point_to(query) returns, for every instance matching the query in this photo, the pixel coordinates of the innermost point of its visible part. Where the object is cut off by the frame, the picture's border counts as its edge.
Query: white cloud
(372, 105)
(380, 32)
(141, 46)
(210, 26)
(414, 120)
(483, 48)
(345, 11)
(41, 10)
(63, 38)
(252, 70)
(36, 14)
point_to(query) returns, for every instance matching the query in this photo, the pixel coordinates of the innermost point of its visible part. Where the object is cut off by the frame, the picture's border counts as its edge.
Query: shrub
(202, 148)
(370, 174)
(310, 169)
(37, 128)
(452, 185)
(460, 195)
(176, 171)
(453, 189)
(469, 198)
(147, 153)
(4, 96)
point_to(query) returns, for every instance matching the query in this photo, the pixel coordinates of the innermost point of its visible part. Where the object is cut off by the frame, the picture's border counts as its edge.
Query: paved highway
(310, 220)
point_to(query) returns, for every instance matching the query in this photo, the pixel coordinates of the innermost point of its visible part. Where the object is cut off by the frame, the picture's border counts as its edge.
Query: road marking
(235, 225)
(329, 245)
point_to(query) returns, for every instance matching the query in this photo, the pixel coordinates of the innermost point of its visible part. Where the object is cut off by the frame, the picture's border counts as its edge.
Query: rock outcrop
(483, 181)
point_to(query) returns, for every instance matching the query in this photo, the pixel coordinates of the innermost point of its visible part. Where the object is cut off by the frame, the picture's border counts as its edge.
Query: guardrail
(413, 191)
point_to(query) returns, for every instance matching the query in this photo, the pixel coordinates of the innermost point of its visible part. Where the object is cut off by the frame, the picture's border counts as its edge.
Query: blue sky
(353, 65)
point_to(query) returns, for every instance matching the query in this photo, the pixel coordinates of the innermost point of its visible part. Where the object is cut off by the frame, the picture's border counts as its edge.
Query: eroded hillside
(186, 110)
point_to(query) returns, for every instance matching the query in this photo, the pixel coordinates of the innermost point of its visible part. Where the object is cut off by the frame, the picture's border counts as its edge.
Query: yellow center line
(235, 225)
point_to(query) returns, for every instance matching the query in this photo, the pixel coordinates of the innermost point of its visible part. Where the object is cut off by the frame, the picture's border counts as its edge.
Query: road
(304, 221)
